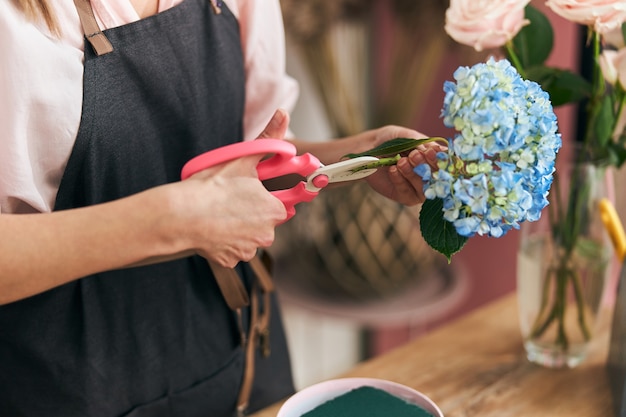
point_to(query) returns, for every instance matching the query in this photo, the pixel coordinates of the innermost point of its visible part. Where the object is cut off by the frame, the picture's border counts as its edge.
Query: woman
(108, 304)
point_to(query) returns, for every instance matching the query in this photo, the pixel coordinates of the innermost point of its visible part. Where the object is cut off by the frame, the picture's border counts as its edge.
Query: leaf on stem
(439, 233)
(564, 86)
(534, 42)
(617, 151)
(396, 146)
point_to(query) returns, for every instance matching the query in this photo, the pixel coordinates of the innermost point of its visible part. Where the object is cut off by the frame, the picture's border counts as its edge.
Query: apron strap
(94, 35)
(217, 6)
(258, 332)
(261, 265)
(231, 286)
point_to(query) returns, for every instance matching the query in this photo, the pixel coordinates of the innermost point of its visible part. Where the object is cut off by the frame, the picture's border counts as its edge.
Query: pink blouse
(41, 89)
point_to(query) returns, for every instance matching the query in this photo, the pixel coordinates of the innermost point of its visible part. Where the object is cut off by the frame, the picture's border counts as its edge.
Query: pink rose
(613, 65)
(603, 15)
(485, 24)
(614, 37)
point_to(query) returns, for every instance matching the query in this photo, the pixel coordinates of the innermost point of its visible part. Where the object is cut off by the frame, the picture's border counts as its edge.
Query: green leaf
(533, 44)
(396, 146)
(624, 31)
(604, 121)
(564, 86)
(439, 233)
(617, 154)
(617, 150)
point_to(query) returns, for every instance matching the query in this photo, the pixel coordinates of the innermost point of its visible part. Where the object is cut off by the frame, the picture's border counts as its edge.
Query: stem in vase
(557, 311)
(561, 304)
(561, 276)
(580, 303)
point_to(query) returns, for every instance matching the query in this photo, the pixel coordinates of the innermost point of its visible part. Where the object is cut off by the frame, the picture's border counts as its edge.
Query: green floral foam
(367, 402)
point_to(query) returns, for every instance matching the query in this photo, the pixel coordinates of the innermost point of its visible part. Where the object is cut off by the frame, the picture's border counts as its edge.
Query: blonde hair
(40, 9)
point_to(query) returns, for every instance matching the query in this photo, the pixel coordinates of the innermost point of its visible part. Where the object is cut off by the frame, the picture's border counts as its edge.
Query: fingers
(408, 185)
(404, 191)
(243, 218)
(229, 257)
(277, 126)
(244, 214)
(425, 154)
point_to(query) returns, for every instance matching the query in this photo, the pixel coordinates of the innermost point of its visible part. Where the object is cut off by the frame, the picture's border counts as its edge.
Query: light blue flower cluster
(498, 168)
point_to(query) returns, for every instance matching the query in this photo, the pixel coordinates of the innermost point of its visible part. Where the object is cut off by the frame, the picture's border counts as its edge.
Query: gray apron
(158, 340)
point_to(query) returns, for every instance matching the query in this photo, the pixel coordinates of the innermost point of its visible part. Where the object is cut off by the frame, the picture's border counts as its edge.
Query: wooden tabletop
(476, 366)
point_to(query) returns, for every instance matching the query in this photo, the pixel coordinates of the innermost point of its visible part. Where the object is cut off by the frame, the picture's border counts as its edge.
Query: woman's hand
(230, 213)
(399, 182)
(242, 214)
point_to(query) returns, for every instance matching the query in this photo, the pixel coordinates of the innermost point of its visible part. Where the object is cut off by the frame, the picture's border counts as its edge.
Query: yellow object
(614, 226)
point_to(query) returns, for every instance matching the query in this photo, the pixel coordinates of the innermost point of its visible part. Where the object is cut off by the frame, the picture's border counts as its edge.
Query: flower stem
(382, 162)
(539, 328)
(580, 304)
(560, 276)
(598, 88)
(510, 50)
(561, 305)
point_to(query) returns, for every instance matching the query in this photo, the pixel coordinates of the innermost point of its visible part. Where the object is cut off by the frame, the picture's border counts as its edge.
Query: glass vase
(563, 265)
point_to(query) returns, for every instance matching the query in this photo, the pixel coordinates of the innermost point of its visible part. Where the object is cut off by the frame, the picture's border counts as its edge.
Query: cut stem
(580, 304)
(382, 162)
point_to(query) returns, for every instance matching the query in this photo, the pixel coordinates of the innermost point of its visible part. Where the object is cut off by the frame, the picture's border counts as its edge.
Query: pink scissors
(284, 161)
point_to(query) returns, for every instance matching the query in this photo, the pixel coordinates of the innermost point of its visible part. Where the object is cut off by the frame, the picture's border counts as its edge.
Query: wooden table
(476, 366)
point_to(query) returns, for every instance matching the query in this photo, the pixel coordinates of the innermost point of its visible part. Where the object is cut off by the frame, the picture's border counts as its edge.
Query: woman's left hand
(399, 182)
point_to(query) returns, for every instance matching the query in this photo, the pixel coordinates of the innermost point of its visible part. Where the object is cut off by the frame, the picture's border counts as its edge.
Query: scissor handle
(283, 151)
(283, 162)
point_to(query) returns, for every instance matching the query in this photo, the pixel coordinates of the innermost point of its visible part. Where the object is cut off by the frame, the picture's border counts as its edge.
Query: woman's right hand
(232, 213)
(228, 213)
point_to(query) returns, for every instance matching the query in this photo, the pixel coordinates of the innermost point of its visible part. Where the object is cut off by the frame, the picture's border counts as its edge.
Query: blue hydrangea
(498, 169)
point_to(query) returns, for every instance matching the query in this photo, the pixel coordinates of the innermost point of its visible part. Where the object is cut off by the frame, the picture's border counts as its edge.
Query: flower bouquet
(499, 167)
(558, 311)
(497, 170)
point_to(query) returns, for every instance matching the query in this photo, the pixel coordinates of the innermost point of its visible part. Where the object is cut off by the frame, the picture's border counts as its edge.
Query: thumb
(277, 126)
